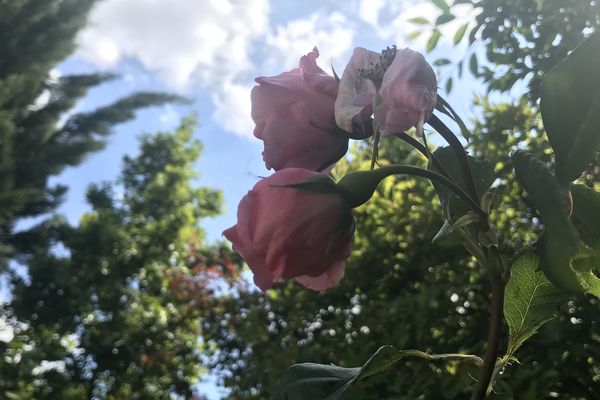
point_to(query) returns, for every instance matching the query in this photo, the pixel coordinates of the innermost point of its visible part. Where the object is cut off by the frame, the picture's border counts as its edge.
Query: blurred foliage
(40, 134)
(522, 39)
(111, 309)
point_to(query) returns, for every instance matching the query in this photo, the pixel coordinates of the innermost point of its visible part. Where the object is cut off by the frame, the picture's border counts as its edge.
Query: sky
(211, 51)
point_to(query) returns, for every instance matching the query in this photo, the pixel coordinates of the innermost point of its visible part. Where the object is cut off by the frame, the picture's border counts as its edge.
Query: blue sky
(211, 51)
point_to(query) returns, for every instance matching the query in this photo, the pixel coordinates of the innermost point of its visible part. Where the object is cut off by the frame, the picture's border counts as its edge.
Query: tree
(116, 313)
(522, 39)
(34, 143)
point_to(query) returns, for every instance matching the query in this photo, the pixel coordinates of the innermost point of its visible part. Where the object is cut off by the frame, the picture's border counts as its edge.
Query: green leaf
(448, 86)
(314, 381)
(460, 33)
(433, 40)
(442, 5)
(586, 217)
(441, 62)
(530, 300)
(444, 18)
(570, 107)
(560, 245)
(335, 75)
(483, 175)
(473, 65)
(414, 35)
(419, 21)
(311, 381)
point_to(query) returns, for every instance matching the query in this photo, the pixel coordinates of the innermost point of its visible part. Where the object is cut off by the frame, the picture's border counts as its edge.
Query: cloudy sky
(211, 51)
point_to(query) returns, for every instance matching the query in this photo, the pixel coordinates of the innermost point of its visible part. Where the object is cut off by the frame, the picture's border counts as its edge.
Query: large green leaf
(483, 175)
(311, 381)
(586, 217)
(560, 247)
(570, 106)
(530, 300)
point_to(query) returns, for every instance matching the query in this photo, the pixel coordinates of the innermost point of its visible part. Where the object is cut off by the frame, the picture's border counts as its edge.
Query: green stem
(484, 381)
(365, 180)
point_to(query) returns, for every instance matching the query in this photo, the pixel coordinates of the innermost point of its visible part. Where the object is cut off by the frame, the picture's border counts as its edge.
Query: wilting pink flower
(290, 233)
(294, 117)
(406, 86)
(354, 103)
(408, 92)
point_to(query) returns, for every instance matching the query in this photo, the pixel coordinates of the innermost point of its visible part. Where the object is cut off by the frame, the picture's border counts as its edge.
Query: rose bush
(403, 80)
(289, 233)
(294, 116)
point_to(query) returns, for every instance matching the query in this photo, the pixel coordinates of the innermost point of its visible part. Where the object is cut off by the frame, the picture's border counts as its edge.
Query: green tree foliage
(35, 143)
(522, 39)
(115, 311)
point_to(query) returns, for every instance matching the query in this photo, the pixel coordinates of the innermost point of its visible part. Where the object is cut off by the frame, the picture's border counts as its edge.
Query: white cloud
(176, 38)
(215, 45)
(186, 42)
(332, 35)
(232, 108)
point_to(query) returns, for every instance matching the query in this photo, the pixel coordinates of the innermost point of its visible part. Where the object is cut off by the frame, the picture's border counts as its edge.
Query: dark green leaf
(460, 33)
(433, 40)
(530, 301)
(441, 62)
(448, 85)
(442, 5)
(473, 64)
(314, 381)
(444, 18)
(560, 244)
(419, 20)
(586, 217)
(335, 75)
(483, 175)
(310, 381)
(570, 106)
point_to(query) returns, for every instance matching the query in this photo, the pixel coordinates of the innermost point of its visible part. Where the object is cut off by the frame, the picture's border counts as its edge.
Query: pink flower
(289, 233)
(294, 118)
(354, 104)
(403, 80)
(408, 92)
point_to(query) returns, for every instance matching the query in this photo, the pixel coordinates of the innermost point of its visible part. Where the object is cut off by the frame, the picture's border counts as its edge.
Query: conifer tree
(35, 143)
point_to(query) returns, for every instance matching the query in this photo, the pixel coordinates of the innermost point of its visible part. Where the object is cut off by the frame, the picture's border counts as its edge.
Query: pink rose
(404, 81)
(294, 118)
(289, 233)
